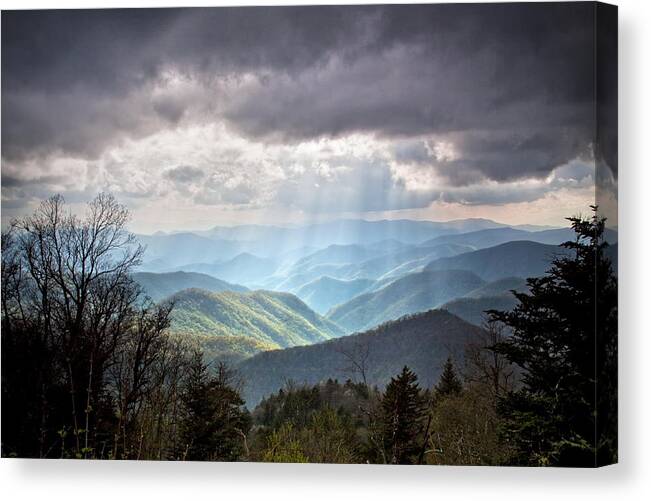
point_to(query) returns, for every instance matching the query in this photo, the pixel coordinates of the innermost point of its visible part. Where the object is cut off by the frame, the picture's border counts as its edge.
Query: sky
(202, 117)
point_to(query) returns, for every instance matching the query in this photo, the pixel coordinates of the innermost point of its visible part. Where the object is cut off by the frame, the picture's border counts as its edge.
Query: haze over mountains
(282, 302)
(223, 243)
(161, 285)
(325, 292)
(410, 294)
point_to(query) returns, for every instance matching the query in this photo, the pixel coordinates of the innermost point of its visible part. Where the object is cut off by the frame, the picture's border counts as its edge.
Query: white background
(631, 479)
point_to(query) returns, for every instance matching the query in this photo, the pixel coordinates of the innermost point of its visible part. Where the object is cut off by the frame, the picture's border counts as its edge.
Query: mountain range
(410, 294)
(281, 302)
(244, 268)
(495, 236)
(169, 251)
(287, 258)
(422, 341)
(495, 295)
(520, 259)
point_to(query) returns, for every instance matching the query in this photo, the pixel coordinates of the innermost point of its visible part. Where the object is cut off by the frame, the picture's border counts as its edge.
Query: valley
(287, 303)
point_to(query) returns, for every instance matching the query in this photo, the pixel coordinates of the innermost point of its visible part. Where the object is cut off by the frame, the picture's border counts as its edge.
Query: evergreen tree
(565, 340)
(215, 422)
(449, 383)
(402, 411)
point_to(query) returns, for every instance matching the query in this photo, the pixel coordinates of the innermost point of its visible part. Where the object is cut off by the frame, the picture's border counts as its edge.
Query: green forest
(94, 368)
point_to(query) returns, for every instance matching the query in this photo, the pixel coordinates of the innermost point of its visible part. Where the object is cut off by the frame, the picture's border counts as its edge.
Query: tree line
(90, 371)
(88, 368)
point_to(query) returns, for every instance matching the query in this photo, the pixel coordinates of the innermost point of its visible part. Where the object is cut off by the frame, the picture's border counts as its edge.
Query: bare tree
(133, 371)
(486, 366)
(79, 289)
(357, 359)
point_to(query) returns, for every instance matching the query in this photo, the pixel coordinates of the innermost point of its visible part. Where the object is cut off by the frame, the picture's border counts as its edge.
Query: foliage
(421, 341)
(463, 430)
(284, 447)
(214, 424)
(556, 417)
(449, 384)
(328, 437)
(276, 319)
(319, 424)
(88, 367)
(401, 419)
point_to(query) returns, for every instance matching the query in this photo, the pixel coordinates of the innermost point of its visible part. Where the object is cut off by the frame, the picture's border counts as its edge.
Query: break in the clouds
(311, 109)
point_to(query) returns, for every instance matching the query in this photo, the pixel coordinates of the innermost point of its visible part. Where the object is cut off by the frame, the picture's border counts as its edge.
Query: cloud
(356, 174)
(358, 185)
(295, 73)
(328, 108)
(184, 174)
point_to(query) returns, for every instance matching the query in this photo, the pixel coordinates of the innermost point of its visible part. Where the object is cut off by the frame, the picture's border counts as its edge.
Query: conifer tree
(215, 421)
(565, 340)
(402, 409)
(449, 383)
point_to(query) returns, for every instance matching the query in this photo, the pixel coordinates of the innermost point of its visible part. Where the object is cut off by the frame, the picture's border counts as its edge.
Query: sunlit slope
(277, 319)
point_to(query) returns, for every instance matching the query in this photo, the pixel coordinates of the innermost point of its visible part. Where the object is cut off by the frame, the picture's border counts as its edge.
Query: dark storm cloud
(511, 154)
(69, 77)
(513, 82)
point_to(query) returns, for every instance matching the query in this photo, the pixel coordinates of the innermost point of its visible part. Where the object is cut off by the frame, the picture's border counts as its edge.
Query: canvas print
(381, 234)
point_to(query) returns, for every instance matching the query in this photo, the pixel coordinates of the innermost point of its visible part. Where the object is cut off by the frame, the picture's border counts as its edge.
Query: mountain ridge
(277, 319)
(410, 294)
(422, 341)
(161, 285)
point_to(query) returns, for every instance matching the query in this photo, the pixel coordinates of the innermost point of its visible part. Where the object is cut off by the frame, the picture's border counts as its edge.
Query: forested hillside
(500, 286)
(260, 376)
(422, 341)
(473, 309)
(512, 259)
(274, 318)
(410, 294)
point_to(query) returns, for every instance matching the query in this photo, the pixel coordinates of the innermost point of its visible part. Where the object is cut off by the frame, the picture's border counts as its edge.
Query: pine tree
(402, 410)
(449, 383)
(565, 340)
(215, 422)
